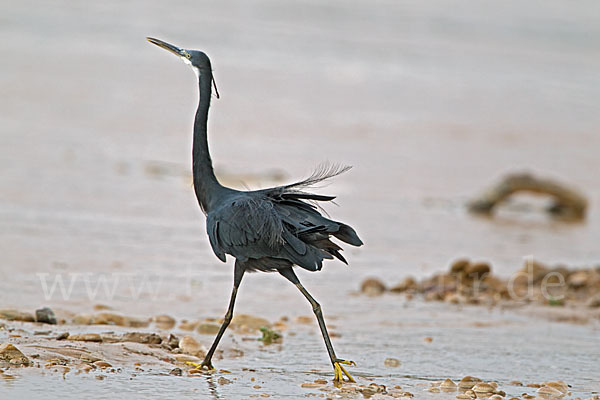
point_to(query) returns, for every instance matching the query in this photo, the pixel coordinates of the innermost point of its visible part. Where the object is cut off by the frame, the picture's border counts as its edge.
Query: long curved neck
(205, 183)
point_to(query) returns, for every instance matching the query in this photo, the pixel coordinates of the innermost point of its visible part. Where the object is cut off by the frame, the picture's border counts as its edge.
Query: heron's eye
(188, 55)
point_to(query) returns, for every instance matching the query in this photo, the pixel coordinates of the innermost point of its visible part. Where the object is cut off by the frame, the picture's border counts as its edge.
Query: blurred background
(431, 102)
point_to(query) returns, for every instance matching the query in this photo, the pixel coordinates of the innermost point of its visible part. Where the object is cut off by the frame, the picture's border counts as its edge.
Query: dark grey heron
(264, 230)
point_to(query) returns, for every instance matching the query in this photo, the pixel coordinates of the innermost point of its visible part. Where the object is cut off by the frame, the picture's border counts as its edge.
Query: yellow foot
(340, 371)
(207, 366)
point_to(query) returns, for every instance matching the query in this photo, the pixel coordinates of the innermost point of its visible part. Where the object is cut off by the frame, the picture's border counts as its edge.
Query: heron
(268, 230)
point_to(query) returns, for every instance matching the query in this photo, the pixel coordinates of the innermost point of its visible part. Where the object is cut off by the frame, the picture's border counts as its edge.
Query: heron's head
(197, 59)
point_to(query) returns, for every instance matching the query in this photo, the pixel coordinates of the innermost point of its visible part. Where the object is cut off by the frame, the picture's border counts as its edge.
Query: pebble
(458, 266)
(189, 345)
(245, 323)
(428, 339)
(391, 362)
(477, 270)
(16, 315)
(102, 364)
(448, 385)
(496, 397)
(468, 382)
(407, 284)
(45, 315)
(372, 287)
(86, 337)
(548, 392)
(463, 396)
(86, 368)
(558, 385)
(208, 329)
(164, 322)
(63, 336)
(305, 319)
(483, 388)
(186, 358)
(188, 325)
(141, 337)
(224, 381)
(14, 356)
(176, 372)
(578, 279)
(312, 385)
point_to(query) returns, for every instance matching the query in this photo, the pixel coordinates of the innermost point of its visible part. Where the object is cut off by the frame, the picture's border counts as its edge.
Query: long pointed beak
(173, 49)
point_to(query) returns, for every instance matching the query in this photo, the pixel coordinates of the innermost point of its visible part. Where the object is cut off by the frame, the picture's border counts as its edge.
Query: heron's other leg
(338, 369)
(237, 279)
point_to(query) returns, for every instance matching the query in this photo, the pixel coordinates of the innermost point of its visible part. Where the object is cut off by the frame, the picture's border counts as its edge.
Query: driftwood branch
(567, 202)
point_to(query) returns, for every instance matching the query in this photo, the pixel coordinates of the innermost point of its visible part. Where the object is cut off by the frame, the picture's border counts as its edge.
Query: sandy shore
(431, 103)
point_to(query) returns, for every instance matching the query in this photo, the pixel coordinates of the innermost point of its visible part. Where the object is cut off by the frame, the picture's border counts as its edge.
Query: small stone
(558, 385)
(164, 322)
(407, 284)
(391, 362)
(483, 388)
(86, 337)
(63, 336)
(176, 372)
(245, 323)
(428, 339)
(14, 356)
(208, 329)
(448, 385)
(224, 381)
(578, 279)
(516, 383)
(189, 345)
(120, 320)
(82, 319)
(188, 325)
(372, 287)
(45, 315)
(548, 392)
(305, 319)
(468, 382)
(141, 337)
(86, 368)
(186, 358)
(478, 270)
(16, 315)
(463, 396)
(102, 364)
(495, 397)
(321, 381)
(434, 389)
(459, 266)
(312, 385)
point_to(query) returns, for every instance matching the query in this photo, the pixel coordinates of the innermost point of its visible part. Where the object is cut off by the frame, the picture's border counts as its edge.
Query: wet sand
(430, 103)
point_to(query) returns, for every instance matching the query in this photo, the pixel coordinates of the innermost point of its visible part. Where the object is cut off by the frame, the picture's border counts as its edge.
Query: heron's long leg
(237, 279)
(290, 275)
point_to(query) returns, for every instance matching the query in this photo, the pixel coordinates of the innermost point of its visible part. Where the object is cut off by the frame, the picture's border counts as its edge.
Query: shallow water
(430, 102)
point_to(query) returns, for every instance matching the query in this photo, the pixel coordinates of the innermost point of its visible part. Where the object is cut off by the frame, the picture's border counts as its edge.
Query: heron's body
(264, 230)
